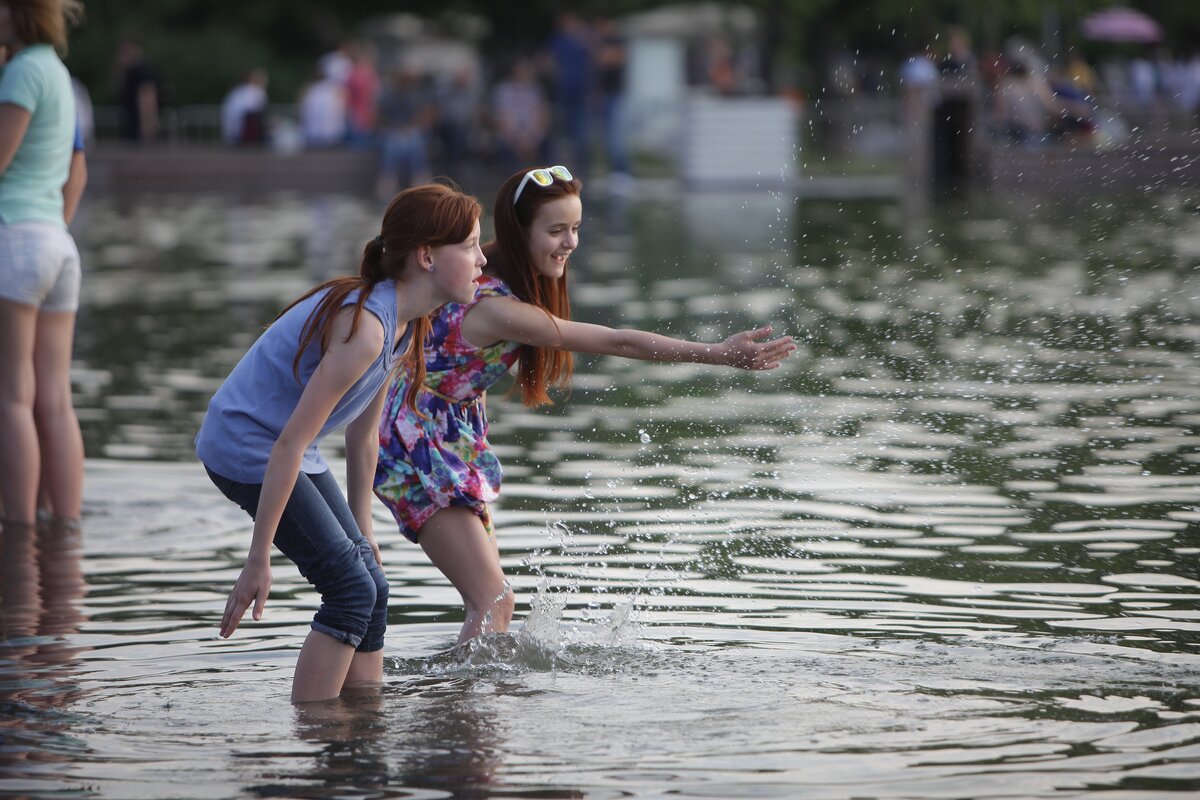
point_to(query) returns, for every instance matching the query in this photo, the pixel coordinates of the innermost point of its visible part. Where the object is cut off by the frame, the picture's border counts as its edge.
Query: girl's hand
(375, 549)
(252, 587)
(742, 350)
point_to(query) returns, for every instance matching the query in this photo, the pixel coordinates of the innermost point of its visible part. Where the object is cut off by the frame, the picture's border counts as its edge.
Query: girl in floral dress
(436, 471)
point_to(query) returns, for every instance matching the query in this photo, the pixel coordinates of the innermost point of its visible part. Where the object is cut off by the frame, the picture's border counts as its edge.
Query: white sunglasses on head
(542, 176)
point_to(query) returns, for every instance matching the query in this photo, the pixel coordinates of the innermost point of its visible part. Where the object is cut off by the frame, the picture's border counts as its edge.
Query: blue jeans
(319, 534)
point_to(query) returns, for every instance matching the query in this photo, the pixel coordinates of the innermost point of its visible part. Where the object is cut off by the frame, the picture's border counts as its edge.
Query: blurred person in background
(405, 119)
(521, 117)
(458, 102)
(84, 112)
(362, 95)
(1022, 105)
(323, 109)
(570, 56)
(1081, 74)
(959, 58)
(139, 93)
(39, 265)
(244, 111)
(611, 60)
(76, 177)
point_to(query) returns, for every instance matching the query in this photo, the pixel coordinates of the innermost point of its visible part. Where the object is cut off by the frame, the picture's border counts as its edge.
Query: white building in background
(694, 95)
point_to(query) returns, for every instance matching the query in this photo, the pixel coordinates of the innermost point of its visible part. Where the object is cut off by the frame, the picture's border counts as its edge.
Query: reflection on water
(41, 583)
(948, 550)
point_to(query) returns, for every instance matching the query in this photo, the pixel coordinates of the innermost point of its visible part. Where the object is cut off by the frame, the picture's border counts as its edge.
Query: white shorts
(39, 266)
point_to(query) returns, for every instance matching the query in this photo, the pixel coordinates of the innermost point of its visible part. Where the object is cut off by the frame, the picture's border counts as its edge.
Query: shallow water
(948, 550)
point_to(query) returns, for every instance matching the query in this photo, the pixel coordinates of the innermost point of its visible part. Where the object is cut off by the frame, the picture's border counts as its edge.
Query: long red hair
(509, 259)
(430, 215)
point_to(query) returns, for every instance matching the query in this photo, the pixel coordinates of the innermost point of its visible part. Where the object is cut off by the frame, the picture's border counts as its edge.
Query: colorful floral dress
(445, 460)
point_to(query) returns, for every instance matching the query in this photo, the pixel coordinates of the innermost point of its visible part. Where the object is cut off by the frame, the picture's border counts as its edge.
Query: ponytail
(430, 215)
(320, 321)
(413, 361)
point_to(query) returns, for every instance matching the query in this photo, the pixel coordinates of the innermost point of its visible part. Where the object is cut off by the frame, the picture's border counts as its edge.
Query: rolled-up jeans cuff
(345, 637)
(366, 646)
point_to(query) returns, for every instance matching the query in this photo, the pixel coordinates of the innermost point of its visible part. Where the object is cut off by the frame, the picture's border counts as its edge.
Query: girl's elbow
(287, 447)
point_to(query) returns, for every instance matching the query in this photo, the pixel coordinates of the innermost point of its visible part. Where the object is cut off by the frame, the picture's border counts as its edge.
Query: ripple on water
(945, 551)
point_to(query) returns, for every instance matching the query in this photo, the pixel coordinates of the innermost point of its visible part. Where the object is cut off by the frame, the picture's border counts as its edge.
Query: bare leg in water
(457, 543)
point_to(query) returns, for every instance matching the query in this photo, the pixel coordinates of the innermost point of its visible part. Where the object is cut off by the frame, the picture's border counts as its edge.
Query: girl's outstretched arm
(504, 318)
(343, 364)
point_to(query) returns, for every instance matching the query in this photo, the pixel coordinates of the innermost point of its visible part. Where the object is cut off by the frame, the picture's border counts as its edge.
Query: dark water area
(948, 550)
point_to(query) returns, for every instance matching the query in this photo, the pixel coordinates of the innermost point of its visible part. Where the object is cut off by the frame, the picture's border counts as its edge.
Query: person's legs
(320, 536)
(20, 460)
(57, 426)
(321, 668)
(365, 670)
(312, 536)
(457, 543)
(366, 666)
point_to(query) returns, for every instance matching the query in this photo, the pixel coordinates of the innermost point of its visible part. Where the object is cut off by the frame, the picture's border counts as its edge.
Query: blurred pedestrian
(337, 63)
(919, 71)
(84, 112)
(1081, 74)
(457, 102)
(39, 264)
(140, 93)
(571, 61)
(362, 95)
(521, 117)
(610, 79)
(1023, 105)
(323, 110)
(76, 177)
(244, 111)
(959, 58)
(720, 71)
(1143, 82)
(405, 120)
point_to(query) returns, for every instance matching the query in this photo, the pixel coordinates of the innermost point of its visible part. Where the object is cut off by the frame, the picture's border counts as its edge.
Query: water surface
(948, 550)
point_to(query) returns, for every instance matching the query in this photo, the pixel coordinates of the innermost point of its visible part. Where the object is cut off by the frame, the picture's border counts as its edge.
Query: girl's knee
(355, 591)
(53, 409)
(382, 590)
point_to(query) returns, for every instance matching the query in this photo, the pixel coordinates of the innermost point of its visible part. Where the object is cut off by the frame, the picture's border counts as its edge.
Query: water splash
(545, 642)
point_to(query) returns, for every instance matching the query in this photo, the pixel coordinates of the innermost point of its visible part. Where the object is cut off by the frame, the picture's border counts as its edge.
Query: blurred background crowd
(445, 87)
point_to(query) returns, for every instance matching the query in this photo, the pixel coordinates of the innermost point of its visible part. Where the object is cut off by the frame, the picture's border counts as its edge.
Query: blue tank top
(248, 412)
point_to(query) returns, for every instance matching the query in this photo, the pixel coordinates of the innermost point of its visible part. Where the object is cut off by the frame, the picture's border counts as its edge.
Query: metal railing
(190, 124)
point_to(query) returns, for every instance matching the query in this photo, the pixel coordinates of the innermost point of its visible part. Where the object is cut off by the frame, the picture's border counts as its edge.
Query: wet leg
(20, 459)
(58, 433)
(321, 669)
(366, 670)
(458, 545)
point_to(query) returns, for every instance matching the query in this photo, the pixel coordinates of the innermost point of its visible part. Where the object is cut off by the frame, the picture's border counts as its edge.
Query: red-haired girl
(325, 363)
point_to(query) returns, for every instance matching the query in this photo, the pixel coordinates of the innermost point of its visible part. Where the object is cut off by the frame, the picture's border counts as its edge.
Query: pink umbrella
(1121, 25)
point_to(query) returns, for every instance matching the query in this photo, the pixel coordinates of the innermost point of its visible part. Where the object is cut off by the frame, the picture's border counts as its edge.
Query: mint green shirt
(31, 188)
